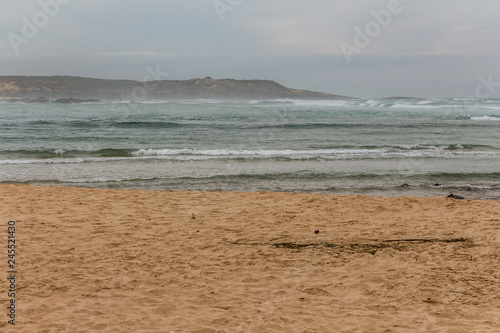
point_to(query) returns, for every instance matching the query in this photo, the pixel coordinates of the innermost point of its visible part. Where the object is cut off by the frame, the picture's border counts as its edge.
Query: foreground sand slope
(136, 261)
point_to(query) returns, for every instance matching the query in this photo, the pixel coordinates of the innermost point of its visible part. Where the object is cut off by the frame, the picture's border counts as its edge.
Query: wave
(256, 153)
(60, 152)
(306, 103)
(368, 150)
(90, 180)
(426, 106)
(147, 124)
(60, 156)
(390, 103)
(353, 119)
(485, 118)
(271, 102)
(340, 125)
(125, 124)
(452, 147)
(93, 123)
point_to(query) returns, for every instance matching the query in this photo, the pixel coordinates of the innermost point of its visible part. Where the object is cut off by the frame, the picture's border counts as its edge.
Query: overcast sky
(362, 48)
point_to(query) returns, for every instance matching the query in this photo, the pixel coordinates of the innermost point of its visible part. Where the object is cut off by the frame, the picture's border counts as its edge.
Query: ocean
(386, 147)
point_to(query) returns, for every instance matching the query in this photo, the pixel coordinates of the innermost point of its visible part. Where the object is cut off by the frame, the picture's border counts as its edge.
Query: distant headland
(72, 89)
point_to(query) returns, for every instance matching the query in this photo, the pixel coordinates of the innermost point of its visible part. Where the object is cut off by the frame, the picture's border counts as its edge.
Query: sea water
(388, 147)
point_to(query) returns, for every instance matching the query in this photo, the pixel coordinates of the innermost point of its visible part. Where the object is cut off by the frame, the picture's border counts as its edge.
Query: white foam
(424, 106)
(263, 153)
(318, 103)
(372, 102)
(188, 154)
(201, 101)
(485, 118)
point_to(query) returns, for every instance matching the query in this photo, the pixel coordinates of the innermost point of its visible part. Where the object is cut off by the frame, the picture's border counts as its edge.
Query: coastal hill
(57, 87)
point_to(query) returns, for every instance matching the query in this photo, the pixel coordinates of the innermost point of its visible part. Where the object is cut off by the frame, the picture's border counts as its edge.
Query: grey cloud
(430, 48)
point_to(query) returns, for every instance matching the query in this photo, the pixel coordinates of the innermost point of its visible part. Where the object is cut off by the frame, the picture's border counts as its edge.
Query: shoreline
(459, 193)
(190, 261)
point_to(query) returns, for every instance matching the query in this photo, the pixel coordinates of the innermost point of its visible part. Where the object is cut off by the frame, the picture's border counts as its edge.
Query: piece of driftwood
(427, 240)
(356, 247)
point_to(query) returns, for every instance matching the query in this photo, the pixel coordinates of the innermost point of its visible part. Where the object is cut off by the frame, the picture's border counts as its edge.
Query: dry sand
(96, 260)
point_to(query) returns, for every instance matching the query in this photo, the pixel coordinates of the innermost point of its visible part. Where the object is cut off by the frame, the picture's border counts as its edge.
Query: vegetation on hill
(54, 87)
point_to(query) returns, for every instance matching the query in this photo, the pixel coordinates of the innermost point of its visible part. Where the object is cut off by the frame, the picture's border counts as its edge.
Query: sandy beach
(97, 260)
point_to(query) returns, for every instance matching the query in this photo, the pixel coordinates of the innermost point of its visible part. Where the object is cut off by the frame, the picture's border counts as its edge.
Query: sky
(361, 48)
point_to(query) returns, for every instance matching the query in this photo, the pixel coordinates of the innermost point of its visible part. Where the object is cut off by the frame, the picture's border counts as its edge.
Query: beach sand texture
(97, 260)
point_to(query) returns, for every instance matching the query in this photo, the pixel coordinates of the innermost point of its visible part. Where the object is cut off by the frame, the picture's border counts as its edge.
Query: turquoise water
(347, 147)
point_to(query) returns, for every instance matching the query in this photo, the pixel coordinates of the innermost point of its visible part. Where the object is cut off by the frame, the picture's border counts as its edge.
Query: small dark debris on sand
(457, 197)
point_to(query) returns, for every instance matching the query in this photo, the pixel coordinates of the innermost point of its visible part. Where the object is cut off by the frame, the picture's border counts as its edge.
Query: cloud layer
(417, 48)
